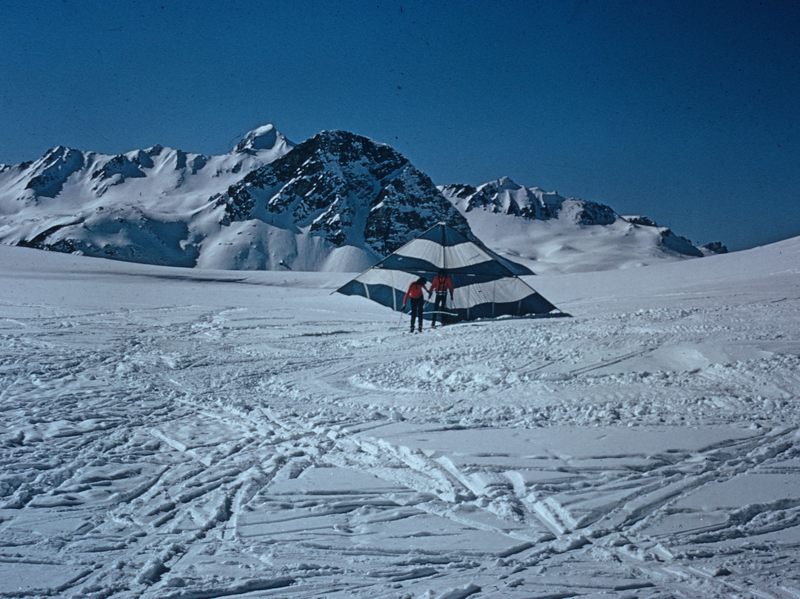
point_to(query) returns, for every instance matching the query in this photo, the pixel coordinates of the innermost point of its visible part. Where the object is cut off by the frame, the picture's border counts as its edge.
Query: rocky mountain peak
(501, 184)
(348, 148)
(505, 196)
(345, 188)
(265, 137)
(53, 169)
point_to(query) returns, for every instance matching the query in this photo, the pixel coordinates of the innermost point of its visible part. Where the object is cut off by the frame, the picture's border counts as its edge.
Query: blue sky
(683, 111)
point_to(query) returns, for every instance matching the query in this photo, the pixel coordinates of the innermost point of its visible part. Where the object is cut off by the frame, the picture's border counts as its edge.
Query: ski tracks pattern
(179, 450)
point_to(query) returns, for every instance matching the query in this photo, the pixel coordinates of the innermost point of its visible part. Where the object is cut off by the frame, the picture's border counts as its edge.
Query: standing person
(417, 300)
(441, 285)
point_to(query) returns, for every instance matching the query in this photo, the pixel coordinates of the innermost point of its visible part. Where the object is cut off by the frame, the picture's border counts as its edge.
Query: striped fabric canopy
(486, 285)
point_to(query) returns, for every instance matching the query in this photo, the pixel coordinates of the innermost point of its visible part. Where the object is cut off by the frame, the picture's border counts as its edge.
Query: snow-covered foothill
(198, 433)
(551, 233)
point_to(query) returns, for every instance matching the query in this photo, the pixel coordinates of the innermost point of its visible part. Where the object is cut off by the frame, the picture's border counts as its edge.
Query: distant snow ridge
(551, 233)
(146, 205)
(336, 202)
(504, 196)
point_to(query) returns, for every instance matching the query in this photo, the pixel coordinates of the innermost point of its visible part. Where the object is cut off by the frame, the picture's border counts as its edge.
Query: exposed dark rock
(715, 247)
(504, 196)
(643, 221)
(57, 166)
(346, 188)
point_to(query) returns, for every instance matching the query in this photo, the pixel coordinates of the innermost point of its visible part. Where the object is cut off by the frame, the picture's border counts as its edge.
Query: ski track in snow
(201, 450)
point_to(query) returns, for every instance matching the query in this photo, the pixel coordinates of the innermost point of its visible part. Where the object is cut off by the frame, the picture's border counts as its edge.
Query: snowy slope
(148, 206)
(336, 202)
(551, 233)
(194, 433)
(338, 190)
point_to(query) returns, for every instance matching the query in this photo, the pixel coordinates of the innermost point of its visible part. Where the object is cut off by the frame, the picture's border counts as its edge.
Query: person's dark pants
(439, 307)
(416, 311)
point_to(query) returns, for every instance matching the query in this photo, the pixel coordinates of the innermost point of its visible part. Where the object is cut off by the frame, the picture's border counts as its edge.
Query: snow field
(174, 433)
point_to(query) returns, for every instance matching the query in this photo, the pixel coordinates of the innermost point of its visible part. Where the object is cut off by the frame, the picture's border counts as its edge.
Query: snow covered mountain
(146, 205)
(551, 233)
(338, 193)
(336, 202)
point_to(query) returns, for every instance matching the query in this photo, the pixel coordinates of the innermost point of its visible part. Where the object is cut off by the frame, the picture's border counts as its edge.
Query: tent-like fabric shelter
(486, 285)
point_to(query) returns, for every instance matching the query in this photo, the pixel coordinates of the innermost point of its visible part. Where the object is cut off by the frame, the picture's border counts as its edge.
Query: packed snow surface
(183, 433)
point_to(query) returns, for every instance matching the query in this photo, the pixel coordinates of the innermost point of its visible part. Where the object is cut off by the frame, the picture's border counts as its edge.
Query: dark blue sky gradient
(684, 111)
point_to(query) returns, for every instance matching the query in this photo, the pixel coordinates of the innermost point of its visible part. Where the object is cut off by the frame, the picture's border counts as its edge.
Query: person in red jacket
(417, 300)
(440, 286)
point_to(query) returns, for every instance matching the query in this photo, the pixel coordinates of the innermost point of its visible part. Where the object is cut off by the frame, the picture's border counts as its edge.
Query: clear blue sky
(684, 111)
